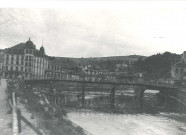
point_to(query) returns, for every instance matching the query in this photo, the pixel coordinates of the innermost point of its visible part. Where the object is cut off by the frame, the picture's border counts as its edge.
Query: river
(128, 124)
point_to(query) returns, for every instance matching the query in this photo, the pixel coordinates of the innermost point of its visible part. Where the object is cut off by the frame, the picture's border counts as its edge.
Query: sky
(97, 31)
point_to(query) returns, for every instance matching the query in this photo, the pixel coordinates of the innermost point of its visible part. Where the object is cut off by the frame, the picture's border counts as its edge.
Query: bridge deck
(137, 83)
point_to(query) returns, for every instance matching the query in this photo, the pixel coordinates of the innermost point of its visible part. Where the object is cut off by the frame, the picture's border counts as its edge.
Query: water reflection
(124, 103)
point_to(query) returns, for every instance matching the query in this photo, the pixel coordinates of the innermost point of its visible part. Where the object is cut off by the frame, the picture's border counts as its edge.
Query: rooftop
(18, 46)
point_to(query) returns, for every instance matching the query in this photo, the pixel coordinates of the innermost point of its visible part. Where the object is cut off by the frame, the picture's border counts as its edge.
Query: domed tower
(42, 50)
(30, 44)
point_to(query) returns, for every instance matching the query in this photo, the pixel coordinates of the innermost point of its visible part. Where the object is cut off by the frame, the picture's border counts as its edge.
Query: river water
(128, 124)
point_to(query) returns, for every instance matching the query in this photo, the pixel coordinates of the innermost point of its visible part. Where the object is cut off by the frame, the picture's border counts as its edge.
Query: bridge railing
(17, 117)
(89, 79)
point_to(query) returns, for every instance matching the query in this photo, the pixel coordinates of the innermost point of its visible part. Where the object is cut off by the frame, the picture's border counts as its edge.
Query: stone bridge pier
(167, 99)
(162, 97)
(112, 97)
(138, 96)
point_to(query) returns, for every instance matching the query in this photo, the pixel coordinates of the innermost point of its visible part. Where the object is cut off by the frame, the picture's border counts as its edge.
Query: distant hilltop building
(25, 60)
(178, 71)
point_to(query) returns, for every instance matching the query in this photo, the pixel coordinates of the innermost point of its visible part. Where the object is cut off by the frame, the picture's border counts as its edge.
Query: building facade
(178, 71)
(24, 59)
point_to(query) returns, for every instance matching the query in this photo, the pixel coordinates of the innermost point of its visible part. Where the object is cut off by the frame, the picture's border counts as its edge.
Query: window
(7, 56)
(29, 70)
(25, 69)
(6, 61)
(11, 68)
(22, 57)
(12, 62)
(26, 57)
(17, 62)
(17, 57)
(12, 57)
(16, 68)
(6, 68)
(30, 51)
(21, 62)
(21, 68)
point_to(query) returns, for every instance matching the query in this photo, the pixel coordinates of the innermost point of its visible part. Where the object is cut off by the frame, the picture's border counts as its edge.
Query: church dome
(30, 44)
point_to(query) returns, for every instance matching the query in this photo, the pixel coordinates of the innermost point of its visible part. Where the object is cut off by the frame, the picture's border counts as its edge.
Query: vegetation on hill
(157, 66)
(154, 67)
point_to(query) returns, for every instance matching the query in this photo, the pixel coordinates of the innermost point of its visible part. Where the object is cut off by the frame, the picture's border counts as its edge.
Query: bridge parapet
(113, 81)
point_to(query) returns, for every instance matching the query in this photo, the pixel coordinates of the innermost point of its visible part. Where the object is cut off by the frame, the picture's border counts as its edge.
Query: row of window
(29, 51)
(30, 64)
(14, 62)
(12, 69)
(36, 70)
(15, 57)
(54, 67)
(27, 58)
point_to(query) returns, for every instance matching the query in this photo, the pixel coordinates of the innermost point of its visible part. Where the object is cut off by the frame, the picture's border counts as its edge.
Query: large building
(178, 71)
(25, 60)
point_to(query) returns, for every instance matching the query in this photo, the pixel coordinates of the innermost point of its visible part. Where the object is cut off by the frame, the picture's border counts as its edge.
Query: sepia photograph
(92, 67)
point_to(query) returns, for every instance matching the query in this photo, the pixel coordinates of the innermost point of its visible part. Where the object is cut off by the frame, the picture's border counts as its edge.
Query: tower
(42, 49)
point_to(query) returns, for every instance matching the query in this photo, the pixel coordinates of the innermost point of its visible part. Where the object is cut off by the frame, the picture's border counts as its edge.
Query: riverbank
(5, 118)
(43, 115)
(53, 121)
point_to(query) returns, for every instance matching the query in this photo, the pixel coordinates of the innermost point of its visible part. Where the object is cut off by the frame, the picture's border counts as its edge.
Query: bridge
(165, 89)
(155, 85)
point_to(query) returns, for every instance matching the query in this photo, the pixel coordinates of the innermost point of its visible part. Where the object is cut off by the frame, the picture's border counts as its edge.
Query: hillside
(157, 66)
(87, 61)
(103, 63)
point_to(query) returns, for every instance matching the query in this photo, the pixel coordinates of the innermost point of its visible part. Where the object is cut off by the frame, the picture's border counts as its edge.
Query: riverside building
(178, 71)
(25, 60)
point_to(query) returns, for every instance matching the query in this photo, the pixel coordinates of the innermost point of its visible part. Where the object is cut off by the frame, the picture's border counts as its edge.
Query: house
(178, 71)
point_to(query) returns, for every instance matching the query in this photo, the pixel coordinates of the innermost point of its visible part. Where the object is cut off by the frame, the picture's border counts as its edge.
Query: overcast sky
(94, 32)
